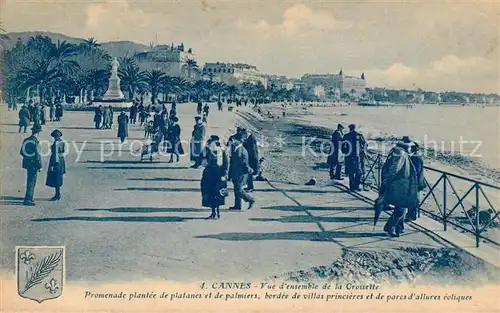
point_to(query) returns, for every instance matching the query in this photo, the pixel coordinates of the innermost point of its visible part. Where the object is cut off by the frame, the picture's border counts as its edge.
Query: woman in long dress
(174, 144)
(122, 126)
(57, 164)
(213, 180)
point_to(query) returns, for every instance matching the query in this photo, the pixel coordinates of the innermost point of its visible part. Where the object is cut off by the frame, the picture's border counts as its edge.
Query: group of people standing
(103, 117)
(238, 163)
(36, 114)
(349, 149)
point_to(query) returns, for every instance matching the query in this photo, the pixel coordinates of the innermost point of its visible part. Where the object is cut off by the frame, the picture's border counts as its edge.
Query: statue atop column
(114, 67)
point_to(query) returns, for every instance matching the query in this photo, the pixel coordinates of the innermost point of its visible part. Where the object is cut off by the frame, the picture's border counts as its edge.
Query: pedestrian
(206, 109)
(32, 163)
(24, 118)
(353, 145)
(59, 111)
(199, 108)
(399, 187)
(106, 118)
(197, 141)
(213, 180)
(335, 157)
(122, 126)
(133, 113)
(37, 115)
(14, 104)
(31, 109)
(219, 105)
(57, 164)
(111, 117)
(143, 116)
(43, 114)
(52, 111)
(250, 144)
(238, 174)
(98, 113)
(418, 162)
(174, 140)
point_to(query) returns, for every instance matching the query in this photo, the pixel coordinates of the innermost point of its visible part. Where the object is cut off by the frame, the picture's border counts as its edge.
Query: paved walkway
(122, 220)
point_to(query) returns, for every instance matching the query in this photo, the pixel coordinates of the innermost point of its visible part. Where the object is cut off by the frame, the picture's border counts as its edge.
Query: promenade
(123, 220)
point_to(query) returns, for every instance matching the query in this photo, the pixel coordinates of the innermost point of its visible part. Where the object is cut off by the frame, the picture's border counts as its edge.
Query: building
(280, 82)
(171, 60)
(335, 85)
(234, 73)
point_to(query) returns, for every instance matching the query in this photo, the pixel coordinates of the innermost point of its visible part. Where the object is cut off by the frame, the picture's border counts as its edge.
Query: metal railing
(448, 204)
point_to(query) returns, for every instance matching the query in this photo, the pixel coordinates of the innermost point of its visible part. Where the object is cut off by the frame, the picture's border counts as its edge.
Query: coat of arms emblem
(40, 272)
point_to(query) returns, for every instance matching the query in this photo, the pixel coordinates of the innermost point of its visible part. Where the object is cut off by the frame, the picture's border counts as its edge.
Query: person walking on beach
(174, 140)
(32, 163)
(353, 145)
(122, 126)
(98, 117)
(199, 107)
(59, 111)
(335, 157)
(197, 141)
(250, 144)
(24, 118)
(57, 165)
(399, 187)
(213, 180)
(239, 170)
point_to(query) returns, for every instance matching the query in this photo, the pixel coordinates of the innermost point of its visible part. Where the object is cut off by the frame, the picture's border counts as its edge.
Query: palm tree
(192, 68)
(41, 73)
(127, 61)
(90, 44)
(232, 91)
(154, 80)
(131, 79)
(61, 54)
(220, 88)
(41, 44)
(97, 81)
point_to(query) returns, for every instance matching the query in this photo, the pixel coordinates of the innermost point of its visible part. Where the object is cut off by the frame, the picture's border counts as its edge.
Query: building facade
(171, 60)
(234, 73)
(334, 85)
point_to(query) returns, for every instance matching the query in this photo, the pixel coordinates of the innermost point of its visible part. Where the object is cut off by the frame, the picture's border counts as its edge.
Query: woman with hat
(213, 180)
(197, 141)
(174, 145)
(57, 164)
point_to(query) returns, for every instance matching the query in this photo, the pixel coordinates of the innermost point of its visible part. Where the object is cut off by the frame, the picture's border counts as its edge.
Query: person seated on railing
(399, 187)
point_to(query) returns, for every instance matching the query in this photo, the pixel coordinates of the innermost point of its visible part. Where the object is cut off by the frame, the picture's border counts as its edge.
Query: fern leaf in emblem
(42, 270)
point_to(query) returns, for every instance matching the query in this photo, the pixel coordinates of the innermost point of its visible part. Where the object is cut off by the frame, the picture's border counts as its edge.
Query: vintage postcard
(249, 156)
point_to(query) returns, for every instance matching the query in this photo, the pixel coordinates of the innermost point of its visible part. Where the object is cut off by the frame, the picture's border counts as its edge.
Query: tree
(42, 74)
(154, 80)
(191, 67)
(62, 55)
(89, 45)
(131, 79)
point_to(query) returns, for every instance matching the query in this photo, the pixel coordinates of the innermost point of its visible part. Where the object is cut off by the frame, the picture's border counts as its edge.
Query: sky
(433, 45)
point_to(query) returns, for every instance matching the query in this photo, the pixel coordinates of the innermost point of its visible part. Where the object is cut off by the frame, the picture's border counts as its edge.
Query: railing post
(477, 215)
(444, 201)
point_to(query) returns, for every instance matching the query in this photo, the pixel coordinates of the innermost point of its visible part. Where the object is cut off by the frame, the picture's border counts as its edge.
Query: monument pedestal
(114, 96)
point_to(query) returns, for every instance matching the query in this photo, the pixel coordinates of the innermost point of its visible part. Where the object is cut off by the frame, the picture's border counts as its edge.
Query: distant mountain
(114, 48)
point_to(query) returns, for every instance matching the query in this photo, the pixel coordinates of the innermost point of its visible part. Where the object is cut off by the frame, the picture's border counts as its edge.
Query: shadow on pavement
(314, 219)
(291, 208)
(145, 210)
(139, 167)
(165, 179)
(162, 189)
(150, 219)
(299, 235)
(77, 127)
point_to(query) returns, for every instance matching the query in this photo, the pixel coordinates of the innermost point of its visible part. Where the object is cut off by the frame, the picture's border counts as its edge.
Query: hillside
(114, 48)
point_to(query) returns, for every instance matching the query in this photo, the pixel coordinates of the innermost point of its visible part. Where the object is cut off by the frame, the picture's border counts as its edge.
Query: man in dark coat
(24, 118)
(206, 109)
(199, 108)
(32, 163)
(98, 117)
(52, 110)
(59, 111)
(353, 145)
(219, 105)
(122, 126)
(197, 141)
(238, 174)
(334, 159)
(250, 144)
(133, 113)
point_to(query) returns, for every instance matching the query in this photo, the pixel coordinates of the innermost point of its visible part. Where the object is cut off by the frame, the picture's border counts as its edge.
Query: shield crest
(40, 272)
